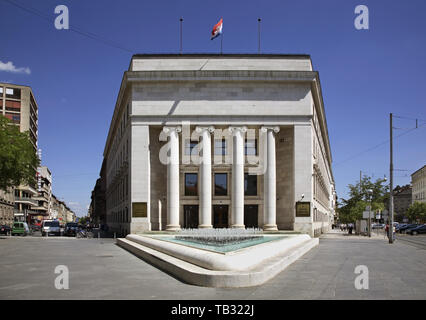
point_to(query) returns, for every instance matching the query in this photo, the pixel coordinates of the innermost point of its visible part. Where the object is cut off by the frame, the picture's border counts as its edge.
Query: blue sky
(365, 74)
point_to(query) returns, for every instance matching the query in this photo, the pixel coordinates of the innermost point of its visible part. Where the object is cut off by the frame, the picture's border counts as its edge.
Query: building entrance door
(220, 216)
(251, 216)
(190, 216)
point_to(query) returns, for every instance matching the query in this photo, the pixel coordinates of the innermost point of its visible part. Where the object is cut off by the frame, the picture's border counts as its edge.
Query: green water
(222, 248)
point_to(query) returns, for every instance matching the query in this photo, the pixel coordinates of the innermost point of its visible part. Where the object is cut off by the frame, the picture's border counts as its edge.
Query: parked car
(377, 226)
(4, 229)
(35, 227)
(71, 229)
(417, 230)
(401, 225)
(407, 227)
(20, 228)
(51, 227)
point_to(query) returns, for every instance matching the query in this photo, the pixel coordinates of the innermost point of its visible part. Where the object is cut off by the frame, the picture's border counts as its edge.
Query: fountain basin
(244, 267)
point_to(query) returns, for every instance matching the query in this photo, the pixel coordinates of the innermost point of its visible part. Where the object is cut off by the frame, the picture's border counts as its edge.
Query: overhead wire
(79, 31)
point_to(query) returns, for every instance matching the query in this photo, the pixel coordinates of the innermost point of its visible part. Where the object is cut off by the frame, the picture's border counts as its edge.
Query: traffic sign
(365, 214)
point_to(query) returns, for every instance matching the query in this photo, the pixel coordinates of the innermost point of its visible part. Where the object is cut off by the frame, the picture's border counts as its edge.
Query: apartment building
(18, 104)
(418, 181)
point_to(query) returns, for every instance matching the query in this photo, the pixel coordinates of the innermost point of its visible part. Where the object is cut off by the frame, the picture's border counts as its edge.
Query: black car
(417, 230)
(5, 229)
(407, 227)
(71, 229)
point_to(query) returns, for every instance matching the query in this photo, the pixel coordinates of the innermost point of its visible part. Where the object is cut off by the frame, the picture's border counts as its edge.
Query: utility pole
(390, 235)
(370, 196)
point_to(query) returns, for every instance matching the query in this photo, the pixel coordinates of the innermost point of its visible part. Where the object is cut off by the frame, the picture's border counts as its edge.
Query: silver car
(51, 227)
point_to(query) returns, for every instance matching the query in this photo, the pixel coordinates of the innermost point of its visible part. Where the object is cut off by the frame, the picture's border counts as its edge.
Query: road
(99, 269)
(418, 240)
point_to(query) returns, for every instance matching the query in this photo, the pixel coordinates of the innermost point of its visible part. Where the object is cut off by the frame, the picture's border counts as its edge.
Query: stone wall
(285, 180)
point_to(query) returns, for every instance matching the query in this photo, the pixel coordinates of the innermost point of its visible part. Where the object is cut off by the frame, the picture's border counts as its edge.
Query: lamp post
(370, 196)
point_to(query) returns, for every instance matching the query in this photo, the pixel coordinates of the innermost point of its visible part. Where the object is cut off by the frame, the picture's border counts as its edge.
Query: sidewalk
(337, 234)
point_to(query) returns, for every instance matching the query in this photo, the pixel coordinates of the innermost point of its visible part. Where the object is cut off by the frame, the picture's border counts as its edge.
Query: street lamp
(370, 196)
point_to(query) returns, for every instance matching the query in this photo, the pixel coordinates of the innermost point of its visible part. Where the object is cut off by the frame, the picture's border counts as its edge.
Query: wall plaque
(303, 209)
(139, 210)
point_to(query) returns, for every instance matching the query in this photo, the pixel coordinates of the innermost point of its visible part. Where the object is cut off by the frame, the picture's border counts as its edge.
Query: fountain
(220, 257)
(219, 237)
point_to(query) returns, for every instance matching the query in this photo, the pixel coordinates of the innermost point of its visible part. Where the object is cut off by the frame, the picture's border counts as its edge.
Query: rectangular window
(191, 184)
(220, 147)
(1, 91)
(250, 147)
(189, 146)
(220, 184)
(13, 93)
(13, 105)
(16, 118)
(250, 185)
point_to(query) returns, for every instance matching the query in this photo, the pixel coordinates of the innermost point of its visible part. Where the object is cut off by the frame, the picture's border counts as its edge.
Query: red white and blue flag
(217, 29)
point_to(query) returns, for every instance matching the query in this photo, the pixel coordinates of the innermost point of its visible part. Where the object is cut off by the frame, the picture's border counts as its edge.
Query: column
(205, 178)
(237, 176)
(173, 179)
(269, 188)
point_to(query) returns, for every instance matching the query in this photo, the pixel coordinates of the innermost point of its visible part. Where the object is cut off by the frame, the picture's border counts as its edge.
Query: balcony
(22, 213)
(27, 189)
(41, 197)
(42, 207)
(26, 200)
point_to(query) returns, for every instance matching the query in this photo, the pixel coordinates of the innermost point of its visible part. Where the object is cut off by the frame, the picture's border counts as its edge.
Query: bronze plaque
(303, 209)
(139, 210)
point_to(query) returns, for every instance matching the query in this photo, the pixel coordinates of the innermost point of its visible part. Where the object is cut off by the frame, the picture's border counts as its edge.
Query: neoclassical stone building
(232, 140)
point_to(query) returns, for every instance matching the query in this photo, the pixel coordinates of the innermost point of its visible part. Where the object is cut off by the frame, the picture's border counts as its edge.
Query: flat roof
(219, 55)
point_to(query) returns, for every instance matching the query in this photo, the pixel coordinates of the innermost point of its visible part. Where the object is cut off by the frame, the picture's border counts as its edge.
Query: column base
(205, 226)
(270, 227)
(238, 226)
(172, 227)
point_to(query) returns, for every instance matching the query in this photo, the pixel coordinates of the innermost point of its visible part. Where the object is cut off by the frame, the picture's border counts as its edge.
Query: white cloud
(9, 67)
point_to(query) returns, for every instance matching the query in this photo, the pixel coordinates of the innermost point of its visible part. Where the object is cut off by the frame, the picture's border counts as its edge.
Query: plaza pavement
(99, 269)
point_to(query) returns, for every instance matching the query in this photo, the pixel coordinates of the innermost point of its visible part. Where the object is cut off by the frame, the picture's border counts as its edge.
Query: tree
(351, 209)
(84, 220)
(18, 159)
(417, 211)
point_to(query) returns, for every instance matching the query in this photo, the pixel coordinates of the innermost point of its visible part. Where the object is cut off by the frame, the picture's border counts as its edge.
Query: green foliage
(84, 220)
(18, 159)
(417, 211)
(351, 209)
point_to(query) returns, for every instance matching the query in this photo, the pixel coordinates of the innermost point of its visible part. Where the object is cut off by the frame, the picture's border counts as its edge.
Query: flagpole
(258, 34)
(221, 42)
(181, 19)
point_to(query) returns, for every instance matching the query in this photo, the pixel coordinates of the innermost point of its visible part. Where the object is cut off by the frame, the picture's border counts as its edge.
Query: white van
(49, 227)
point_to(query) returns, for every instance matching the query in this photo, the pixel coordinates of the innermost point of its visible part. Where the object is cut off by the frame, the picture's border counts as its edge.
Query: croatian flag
(217, 29)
